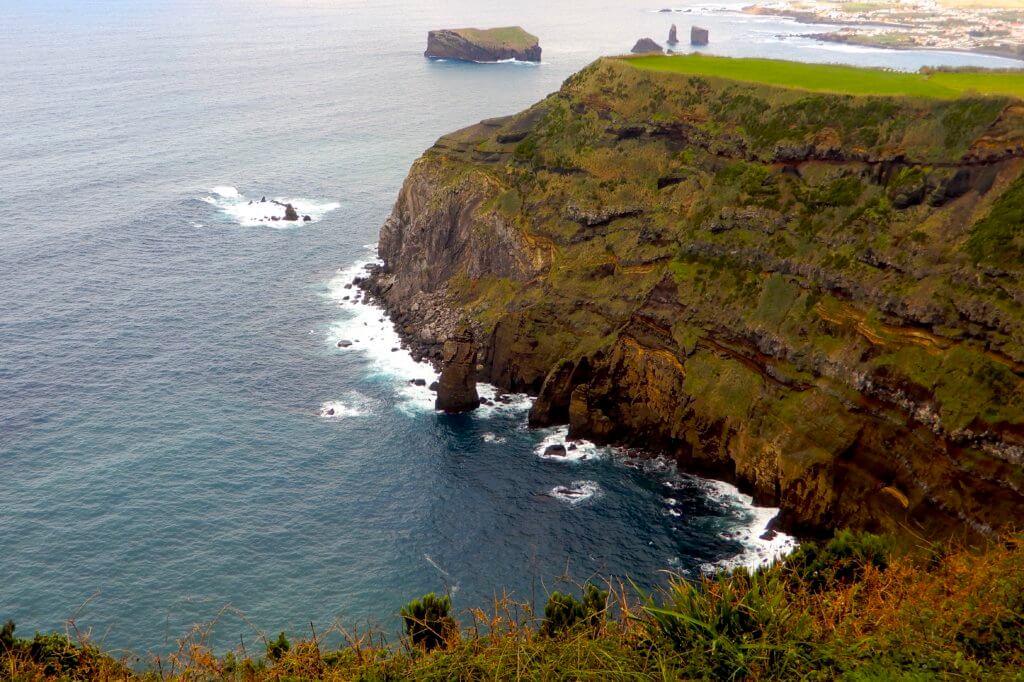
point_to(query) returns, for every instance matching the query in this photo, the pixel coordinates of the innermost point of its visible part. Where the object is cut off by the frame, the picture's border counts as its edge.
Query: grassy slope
(839, 79)
(851, 610)
(512, 37)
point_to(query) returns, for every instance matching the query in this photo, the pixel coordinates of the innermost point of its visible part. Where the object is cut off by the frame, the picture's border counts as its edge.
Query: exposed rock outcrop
(456, 389)
(488, 45)
(647, 46)
(673, 36)
(796, 292)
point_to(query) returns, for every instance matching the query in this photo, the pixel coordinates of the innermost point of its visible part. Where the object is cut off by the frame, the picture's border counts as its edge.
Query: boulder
(306, 219)
(344, 343)
(647, 46)
(290, 213)
(556, 450)
(456, 390)
(487, 45)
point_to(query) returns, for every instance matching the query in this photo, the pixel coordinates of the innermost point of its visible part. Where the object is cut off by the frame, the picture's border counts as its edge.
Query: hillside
(815, 294)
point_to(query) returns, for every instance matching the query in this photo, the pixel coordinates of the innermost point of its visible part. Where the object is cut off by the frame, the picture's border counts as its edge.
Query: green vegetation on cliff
(818, 295)
(852, 608)
(838, 79)
(510, 37)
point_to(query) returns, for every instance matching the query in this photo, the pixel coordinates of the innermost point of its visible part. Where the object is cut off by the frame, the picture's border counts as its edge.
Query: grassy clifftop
(838, 79)
(818, 295)
(511, 37)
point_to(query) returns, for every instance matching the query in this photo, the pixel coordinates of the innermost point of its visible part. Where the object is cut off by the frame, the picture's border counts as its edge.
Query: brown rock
(456, 390)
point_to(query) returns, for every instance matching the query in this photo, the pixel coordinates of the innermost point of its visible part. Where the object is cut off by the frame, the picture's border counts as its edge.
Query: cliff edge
(818, 296)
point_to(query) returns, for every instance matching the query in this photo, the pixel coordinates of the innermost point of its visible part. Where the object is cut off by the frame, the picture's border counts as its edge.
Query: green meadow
(838, 79)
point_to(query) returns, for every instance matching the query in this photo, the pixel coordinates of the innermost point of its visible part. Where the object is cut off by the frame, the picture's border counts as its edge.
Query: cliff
(488, 45)
(818, 296)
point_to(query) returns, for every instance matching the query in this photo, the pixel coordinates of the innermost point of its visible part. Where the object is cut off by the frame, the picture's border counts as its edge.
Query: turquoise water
(167, 361)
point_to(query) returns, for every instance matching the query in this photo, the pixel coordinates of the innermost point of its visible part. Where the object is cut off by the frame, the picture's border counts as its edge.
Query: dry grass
(935, 613)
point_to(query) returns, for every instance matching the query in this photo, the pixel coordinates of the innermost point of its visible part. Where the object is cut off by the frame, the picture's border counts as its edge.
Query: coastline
(763, 537)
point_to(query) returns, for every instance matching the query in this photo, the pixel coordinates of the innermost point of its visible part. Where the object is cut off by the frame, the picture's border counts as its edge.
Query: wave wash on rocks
(816, 296)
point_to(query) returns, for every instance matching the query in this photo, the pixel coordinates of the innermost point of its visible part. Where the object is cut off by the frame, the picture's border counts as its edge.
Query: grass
(838, 79)
(513, 37)
(853, 608)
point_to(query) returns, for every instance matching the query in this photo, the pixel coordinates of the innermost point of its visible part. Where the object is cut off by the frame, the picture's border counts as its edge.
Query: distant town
(987, 26)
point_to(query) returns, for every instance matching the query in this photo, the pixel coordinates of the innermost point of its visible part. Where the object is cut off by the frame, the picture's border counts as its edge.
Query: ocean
(182, 441)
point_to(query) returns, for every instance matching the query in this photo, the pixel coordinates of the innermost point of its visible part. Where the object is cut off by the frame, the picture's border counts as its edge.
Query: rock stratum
(817, 296)
(483, 45)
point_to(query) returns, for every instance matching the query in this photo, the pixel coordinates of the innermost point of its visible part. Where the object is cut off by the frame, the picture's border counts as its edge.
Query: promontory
(807, 279)
(483, 45)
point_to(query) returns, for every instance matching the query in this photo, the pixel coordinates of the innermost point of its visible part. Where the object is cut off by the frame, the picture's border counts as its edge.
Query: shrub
(841, 560)
(277, 648)
(428, 621)
(563, 612)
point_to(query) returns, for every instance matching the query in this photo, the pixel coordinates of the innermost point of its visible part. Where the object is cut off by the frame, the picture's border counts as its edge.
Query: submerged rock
(488, 45)
(456, 391)
(344, 343)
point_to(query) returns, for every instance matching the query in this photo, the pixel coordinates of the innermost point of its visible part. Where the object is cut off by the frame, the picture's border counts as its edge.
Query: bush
(841, 560)
(563, 612)
(277, 648)
(428, 621)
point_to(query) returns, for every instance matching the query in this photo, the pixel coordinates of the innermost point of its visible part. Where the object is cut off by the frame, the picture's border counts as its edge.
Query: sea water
(181, 438)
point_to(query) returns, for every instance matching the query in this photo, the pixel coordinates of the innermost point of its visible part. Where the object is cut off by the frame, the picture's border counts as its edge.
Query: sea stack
(456, 389)
(647, 46)
(483, 45)
(698, 36)
(673, 36)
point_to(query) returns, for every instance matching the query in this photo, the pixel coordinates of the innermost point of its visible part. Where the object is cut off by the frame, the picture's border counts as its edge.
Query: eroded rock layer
(816, 296)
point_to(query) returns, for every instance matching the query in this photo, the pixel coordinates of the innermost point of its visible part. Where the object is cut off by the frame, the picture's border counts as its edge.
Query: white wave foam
(373, 334)
(492, 438)
(576, 492)
(254, 211)
(575, 451)
(354, 404)
(510, 404)
(761, 545)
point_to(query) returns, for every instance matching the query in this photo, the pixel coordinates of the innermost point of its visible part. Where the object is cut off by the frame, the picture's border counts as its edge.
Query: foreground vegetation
(852, 608)
(838, 79)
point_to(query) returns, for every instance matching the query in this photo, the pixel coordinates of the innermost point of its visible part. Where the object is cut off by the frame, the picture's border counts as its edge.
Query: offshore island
(807, 279)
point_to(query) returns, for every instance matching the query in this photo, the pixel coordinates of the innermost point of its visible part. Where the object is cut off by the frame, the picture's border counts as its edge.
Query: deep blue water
(165, 364)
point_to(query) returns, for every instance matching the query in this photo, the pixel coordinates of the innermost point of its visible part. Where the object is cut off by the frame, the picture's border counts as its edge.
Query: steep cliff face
(817, 296)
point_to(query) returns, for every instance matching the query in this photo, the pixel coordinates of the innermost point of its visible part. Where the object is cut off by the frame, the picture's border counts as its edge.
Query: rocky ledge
(483, 45)
(816, 296)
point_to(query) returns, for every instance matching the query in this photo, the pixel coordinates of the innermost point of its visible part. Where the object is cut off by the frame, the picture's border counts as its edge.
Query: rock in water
(673, 36)
(290, 213)
(456, 390)
(698, 36)
(556, 450)
(488, 45)
(647, 46)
